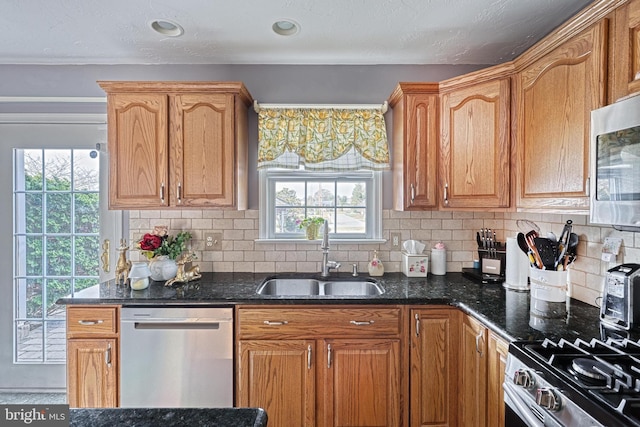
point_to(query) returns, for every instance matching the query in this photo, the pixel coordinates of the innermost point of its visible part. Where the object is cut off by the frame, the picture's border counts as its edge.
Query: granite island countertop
(507, 312)
(175, 417)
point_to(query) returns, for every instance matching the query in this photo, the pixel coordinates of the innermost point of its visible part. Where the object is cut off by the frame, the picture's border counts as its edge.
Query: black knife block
(499, 253)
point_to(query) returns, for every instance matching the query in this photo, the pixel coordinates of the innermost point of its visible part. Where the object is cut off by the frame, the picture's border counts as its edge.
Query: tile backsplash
(241, 252)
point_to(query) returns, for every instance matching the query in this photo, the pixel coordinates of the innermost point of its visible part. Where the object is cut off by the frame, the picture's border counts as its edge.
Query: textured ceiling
(239, 31)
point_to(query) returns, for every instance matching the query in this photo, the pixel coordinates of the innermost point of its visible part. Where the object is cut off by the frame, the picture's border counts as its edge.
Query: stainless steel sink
(353, 288)
(301, 287)
(292, 287)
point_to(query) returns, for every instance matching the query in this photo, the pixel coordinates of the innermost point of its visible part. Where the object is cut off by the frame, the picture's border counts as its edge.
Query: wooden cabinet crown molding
(590, 15)
(406, 88)
(169, 87)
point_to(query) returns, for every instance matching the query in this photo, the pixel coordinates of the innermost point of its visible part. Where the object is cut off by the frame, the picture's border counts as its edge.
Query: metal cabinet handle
(90, 322)
(162, 192)
(587, 186)
(362, 323)
(446, 195)
(413, 193)
(417, 317)
(309, 356)
(179, 193)
(107, 356)
(275, 323)
(329, 356)
(478, 338)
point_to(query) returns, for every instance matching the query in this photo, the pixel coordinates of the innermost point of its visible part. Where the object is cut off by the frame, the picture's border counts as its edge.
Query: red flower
(150, 242)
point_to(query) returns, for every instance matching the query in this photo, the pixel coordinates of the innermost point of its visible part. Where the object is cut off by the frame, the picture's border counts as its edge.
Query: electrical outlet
(213, 241)
(395, 240)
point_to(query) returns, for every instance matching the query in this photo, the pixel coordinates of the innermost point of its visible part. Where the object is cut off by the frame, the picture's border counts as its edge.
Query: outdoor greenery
(61, 236)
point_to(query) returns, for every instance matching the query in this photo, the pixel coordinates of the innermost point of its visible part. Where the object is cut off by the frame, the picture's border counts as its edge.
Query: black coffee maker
(621, 297)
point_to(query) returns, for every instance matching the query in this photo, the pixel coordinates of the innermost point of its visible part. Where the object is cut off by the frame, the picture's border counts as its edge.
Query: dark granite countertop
(505, 311)
(175, 417)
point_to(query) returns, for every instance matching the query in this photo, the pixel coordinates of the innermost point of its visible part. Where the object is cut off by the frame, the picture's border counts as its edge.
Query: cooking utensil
(548, 252)
(564, 241)
(525, 225)
(532, 245)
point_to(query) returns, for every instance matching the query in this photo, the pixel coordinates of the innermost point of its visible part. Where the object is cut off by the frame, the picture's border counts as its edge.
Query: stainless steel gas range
(577, 383)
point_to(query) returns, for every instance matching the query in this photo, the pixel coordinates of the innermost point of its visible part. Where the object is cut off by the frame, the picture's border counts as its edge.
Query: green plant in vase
(312, 225)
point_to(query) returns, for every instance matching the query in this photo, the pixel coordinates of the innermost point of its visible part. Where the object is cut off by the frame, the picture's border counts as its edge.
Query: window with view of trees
(348, 201)
(56, 244)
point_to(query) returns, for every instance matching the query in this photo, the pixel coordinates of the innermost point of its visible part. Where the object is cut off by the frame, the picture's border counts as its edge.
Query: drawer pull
(362, 323)
(276, 323)
(90, 322)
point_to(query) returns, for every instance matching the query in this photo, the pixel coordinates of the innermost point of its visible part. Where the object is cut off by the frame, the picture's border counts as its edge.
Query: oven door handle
(520, 408)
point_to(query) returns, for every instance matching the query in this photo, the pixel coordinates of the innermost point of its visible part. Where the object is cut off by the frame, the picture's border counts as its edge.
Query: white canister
(438, 261)
(139, 275)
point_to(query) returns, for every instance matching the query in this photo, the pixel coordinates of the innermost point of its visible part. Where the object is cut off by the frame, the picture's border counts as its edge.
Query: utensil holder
(548, 285)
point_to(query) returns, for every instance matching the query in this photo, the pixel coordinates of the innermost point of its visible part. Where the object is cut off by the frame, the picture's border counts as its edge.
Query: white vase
(163, 268)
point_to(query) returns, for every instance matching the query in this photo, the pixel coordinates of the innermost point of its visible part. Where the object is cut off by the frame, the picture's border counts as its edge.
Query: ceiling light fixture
(285, 27)
(166, 28)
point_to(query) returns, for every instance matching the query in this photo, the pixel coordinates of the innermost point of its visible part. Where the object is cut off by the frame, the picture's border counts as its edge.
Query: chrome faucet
(326, 264)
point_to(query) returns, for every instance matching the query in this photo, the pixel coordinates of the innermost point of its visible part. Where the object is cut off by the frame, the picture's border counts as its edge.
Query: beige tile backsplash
(240, 251)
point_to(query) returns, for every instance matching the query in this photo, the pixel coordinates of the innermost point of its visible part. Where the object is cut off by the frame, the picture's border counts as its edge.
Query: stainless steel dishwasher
(176, 357)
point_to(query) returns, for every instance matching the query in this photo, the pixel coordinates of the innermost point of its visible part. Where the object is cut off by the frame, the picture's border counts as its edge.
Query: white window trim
(374, 205)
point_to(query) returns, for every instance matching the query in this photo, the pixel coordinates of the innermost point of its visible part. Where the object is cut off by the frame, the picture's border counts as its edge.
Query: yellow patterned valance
(322, 139)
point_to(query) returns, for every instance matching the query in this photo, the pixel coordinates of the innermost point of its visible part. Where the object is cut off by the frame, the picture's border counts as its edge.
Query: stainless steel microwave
(615, 165)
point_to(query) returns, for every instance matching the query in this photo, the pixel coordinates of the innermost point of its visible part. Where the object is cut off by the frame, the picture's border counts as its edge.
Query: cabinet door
(624, 59)
(202, 150)
(138, 150)
(474, 148)
(433, 379)
(361, 383)
(415, 150)
(92, 373)
(278, 376)
(497, 363)
(555, 96)
(473, 373)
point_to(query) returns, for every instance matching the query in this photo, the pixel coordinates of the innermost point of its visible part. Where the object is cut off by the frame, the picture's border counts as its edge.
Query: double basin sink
(311, 287)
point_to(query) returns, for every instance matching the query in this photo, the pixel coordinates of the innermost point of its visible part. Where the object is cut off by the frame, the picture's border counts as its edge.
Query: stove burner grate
(591, 371)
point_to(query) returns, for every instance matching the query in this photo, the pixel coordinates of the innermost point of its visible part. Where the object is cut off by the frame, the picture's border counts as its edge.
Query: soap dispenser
(375, 266)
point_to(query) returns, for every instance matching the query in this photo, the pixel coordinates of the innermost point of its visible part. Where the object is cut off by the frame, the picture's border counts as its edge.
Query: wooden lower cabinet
(348, 373)
(497, 363)
(473, 373)
(361, 383)
(93, 356)
(92, 373)
(433, 368)
(280, 377)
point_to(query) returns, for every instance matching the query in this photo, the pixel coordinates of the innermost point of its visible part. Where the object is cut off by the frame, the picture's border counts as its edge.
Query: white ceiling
(239, 31)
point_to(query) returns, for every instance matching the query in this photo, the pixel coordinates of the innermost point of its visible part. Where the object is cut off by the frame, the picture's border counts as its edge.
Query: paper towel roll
(517, 269)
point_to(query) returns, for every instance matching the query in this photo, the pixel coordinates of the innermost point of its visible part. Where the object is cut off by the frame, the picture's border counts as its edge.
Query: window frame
(268, 177)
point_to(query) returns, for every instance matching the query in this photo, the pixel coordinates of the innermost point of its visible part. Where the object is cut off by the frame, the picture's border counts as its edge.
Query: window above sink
(350, 201)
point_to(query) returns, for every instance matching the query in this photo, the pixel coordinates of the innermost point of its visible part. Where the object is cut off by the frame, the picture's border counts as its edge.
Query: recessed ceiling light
(285, 27)
(167, 28)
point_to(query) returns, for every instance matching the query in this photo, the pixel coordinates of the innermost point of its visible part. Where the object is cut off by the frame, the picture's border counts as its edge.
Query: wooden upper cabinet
(554, 98)
(624, 56)
(474, 148)
(138, 150)
(177, 144)
(415, 141)
(202, 148)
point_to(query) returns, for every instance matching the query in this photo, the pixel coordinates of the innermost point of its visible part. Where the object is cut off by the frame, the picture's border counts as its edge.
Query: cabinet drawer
(92, 320)
(278, 323)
